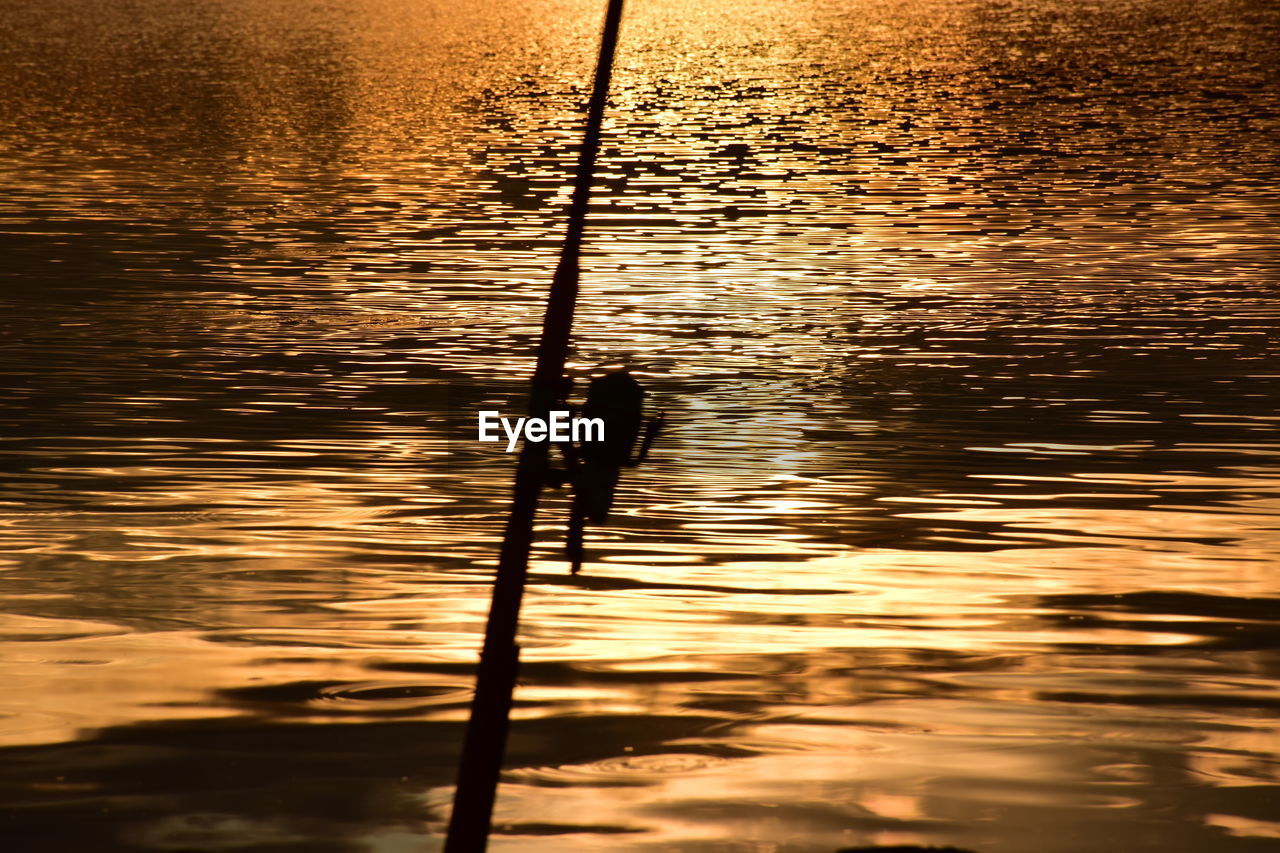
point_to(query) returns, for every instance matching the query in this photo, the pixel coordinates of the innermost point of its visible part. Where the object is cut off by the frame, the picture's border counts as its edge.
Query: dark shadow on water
(1219, 622)
(250, 785)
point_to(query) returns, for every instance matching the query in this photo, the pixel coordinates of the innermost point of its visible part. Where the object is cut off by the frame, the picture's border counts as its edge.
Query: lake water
(965, 528)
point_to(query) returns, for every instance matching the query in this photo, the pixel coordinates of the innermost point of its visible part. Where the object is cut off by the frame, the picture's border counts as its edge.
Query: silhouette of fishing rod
(590, 471)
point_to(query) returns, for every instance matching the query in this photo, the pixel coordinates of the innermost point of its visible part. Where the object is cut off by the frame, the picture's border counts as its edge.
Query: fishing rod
(485, 741)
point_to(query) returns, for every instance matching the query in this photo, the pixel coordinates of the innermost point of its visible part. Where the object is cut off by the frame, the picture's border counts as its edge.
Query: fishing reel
(615, 401)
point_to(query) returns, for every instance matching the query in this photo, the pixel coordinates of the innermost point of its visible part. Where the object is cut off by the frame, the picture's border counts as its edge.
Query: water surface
(964, 529)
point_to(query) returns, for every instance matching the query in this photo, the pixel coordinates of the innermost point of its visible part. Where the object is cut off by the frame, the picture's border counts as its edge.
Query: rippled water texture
(964, 530)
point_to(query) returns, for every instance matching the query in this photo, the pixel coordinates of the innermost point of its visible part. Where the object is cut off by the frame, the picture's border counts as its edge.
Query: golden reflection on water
(963, 530)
